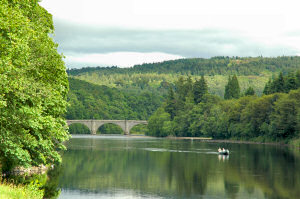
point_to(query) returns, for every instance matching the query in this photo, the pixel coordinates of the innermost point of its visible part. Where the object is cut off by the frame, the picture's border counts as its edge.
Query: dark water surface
(125, 167)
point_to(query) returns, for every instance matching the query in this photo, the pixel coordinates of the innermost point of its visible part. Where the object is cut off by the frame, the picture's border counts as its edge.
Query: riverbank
(10, 191)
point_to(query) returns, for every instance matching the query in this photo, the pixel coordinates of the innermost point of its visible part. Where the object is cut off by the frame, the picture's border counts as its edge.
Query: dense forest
(157, 77)
(190, 110)
(89, 101)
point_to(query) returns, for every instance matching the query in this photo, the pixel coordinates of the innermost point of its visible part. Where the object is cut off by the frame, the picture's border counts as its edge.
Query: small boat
(225, 152)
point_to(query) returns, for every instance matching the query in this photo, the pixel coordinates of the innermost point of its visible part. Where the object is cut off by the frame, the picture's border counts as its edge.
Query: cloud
(88, 41)
(121, 59)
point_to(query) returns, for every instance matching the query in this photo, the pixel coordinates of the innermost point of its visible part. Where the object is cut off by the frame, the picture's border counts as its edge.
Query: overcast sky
(128, 32)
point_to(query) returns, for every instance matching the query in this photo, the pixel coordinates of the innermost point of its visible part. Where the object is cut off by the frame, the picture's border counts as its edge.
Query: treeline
(273, 117)
(283, 84)
(199, 66)
(89, 101)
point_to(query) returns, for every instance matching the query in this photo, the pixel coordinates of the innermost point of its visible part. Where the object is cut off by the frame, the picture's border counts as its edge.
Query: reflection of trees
(51, 186)
(163, 172)
(273, 170)
(231, 188)
(99, 166)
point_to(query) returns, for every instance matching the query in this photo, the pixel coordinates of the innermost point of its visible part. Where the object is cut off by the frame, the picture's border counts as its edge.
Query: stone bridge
(93, 125)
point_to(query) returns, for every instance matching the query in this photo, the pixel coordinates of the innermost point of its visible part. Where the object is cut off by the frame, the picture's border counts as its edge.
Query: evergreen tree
(232, 89)
(267, 89)
(181, 88)
(171, 103)
(290, 83)
(250, 91)
(200, 89)
(298, 79)
(279, 84)
(188, 85)
(189, 101)
(227, 94)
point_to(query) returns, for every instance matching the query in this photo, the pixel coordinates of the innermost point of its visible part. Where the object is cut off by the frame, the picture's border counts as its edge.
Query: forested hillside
(156, 77)
(201, 66)
(89, 101)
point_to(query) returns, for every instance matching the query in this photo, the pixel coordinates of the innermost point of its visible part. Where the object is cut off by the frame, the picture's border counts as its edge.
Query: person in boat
(223, 150)
(219, 150)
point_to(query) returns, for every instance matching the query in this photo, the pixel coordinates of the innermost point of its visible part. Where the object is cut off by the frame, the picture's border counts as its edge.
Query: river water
(126, 167)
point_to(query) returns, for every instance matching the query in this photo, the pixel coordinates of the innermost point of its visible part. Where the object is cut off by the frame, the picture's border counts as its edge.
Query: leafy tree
(158, 123)
(33, 87)
(284, 117)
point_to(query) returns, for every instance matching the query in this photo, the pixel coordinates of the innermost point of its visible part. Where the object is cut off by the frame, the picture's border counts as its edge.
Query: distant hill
(156, 77)
(201, 66)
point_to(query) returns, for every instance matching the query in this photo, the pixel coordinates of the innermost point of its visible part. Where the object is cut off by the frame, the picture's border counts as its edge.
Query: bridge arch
(78, 128)
(138, 129)
(110, 128)
(93, 125)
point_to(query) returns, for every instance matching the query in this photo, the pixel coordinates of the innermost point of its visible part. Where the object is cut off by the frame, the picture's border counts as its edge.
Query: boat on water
(223, 151)
(226, 152)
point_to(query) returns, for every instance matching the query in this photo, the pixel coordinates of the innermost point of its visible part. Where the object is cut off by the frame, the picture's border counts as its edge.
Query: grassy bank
(10, 191)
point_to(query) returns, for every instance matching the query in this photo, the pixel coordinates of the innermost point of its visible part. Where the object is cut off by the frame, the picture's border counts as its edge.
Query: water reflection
(223, 157)
(160, 168)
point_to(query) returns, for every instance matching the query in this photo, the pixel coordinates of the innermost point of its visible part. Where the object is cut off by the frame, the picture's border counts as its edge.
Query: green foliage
(158, 77)
(199, 66)
(171, 103)
(270, 117)
(10, 191)
(89, 101)
(200, 89)
(79, 129)
(249, 91)
(140, 129)
(33, 86)
(232, 89)
(159, 124)
(110, 129)
(283, 84)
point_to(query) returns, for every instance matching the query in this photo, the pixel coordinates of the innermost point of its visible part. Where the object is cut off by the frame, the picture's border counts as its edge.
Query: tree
(279, 84)
(171, 103)
(267, 89)
(33, 87)
(159, 123)
(290, 82)
(232, 89)
(249, 91)
(200, 89)
(298, 79)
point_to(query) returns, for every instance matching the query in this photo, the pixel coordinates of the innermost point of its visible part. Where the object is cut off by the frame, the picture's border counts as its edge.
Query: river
(138, 167)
